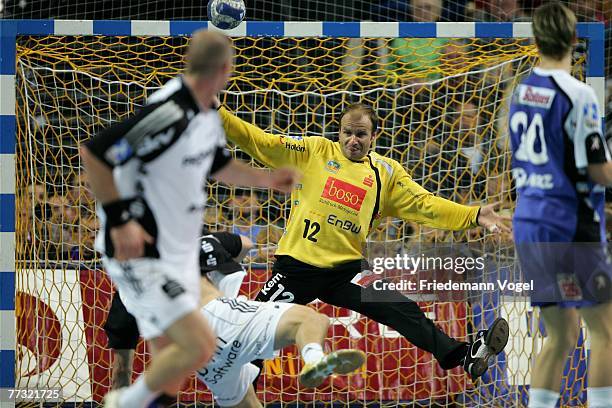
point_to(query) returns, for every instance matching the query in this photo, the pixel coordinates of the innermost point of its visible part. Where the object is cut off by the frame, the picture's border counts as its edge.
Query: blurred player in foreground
(560, 162)
(220, 253)
(147, 172)
(245, 330)
(346, 192)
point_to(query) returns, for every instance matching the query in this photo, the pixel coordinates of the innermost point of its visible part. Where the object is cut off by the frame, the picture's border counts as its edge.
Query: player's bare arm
(601, 173)
(247, 245)
(241, 174)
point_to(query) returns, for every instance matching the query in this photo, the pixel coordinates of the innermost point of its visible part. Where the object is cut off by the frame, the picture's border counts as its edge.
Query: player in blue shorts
(560, 165)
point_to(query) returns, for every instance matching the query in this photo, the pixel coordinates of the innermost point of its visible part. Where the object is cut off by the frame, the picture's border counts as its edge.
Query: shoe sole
(347, 361)
(495, 340)
(339, 362)
(497, 336)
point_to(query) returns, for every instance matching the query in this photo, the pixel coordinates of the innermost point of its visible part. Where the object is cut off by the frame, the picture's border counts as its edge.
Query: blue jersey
(555, 133)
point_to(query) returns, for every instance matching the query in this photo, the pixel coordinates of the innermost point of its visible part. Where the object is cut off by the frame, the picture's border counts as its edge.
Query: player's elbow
(601, 173)
(247, 244)
(89, 159)
(85, 154)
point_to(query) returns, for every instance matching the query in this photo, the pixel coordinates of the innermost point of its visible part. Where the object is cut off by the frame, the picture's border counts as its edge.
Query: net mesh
(310, 10)
(442, 105)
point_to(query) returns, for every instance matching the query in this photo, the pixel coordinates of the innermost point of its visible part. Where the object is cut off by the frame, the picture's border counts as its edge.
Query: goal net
(442, 103)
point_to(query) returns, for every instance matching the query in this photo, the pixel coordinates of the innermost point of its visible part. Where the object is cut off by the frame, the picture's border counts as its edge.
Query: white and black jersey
(163, 155)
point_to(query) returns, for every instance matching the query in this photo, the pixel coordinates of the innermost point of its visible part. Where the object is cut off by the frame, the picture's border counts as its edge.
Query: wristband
(122, 211)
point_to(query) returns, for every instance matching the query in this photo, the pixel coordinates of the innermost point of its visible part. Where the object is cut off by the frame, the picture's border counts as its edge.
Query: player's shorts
(564, 273)
(157, 293)
(245, 332)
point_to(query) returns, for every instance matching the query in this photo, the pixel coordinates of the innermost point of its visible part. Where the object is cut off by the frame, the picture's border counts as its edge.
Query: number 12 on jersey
(311, 229)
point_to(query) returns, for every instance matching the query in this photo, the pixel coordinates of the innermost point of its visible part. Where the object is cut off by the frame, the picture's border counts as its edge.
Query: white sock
(542, 398)
(137, 395)
(312, 353)
(599, 397)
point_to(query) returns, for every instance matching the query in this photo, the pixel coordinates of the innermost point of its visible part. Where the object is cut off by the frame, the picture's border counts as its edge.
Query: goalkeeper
(347, 184)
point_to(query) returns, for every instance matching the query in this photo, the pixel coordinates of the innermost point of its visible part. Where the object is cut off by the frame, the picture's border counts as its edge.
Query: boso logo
(344, 193)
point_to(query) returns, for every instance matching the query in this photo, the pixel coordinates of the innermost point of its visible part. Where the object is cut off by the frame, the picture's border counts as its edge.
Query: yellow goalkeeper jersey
(339, 201)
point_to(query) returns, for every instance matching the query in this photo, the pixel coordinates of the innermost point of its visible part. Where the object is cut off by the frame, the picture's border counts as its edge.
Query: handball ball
(226, 14)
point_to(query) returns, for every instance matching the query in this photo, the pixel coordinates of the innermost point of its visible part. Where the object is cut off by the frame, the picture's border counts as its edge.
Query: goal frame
(11, 29)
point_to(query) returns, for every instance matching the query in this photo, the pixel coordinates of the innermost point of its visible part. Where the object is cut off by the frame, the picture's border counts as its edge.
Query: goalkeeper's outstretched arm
(409, 201)
(271, 150)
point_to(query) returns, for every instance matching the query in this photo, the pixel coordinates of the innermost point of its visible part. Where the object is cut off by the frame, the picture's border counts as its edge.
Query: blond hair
(554, 28)
(207, 53)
